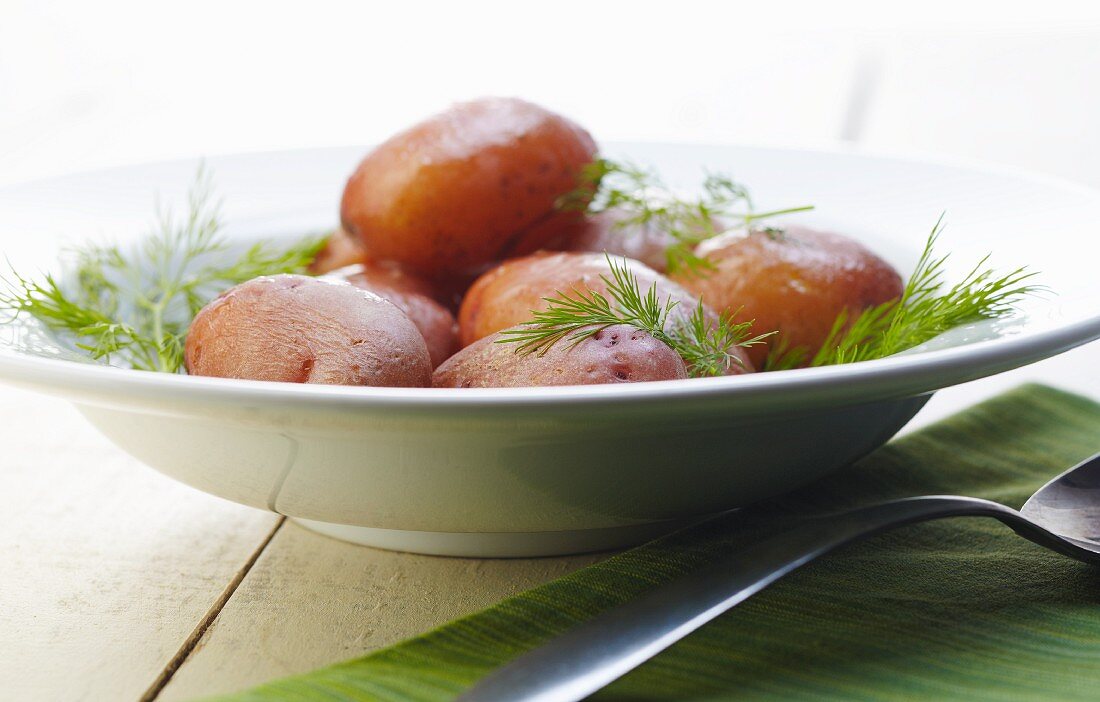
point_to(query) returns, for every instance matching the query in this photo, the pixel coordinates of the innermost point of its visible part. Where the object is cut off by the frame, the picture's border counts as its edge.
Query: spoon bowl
(1069, 505)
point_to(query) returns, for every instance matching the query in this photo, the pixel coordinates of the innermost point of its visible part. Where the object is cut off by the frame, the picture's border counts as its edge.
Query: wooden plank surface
(107, 567)
(311, 600)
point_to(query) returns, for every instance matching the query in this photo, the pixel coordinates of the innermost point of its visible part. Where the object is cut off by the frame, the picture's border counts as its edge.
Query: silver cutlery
(1063, 515)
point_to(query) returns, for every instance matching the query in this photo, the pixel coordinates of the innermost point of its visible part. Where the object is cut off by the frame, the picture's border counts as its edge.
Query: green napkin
(956, 609)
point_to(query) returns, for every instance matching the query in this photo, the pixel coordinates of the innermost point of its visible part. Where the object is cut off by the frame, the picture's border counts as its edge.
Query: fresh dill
(708, 348)
(926, 309)
(646, 200)
(134, 307)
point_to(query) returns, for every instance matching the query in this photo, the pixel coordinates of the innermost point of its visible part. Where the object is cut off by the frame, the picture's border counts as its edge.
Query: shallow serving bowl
(509, 472)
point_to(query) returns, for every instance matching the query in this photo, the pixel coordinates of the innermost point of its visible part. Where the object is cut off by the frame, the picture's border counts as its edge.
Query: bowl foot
(518, 544)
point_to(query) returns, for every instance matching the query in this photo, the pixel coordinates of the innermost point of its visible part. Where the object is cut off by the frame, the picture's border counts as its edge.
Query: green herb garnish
(646, 200)
(134, 307)
(926, 309)
(708, 348)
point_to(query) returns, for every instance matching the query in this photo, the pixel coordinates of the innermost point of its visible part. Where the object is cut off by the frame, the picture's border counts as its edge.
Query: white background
(87, 84)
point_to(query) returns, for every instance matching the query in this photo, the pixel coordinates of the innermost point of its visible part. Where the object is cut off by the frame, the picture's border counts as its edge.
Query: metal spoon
(1064, 516)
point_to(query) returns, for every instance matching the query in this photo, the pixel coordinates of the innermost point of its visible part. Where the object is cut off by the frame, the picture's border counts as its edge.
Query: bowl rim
(868, 380)
(896, 376)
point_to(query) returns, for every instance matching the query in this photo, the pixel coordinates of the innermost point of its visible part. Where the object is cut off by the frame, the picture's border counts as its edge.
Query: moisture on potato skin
(413, 296)
(461, 189)
(297, 329)
(796, 280)
(617, 354)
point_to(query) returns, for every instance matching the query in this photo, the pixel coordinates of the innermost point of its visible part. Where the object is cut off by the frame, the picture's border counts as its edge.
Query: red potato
(505, 296)
(296, 329)
(611, 232)
(461, 189)
(796, 280)
(413, 296)
(607, 232)
(617, 354)
(340, 250)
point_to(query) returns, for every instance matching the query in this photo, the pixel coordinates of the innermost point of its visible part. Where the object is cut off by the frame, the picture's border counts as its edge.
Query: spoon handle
(585, 659)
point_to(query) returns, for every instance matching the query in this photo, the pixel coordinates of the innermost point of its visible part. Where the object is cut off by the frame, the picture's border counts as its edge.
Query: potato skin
(617, 354)
(505, 296)
(795, 280)
(459, 190)
(339, 251)
(296, 329)
(414, 297)
(607, 232)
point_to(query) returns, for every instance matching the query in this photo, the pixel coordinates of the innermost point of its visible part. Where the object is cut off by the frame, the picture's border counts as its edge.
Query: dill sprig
(927, 308)
(707, 347)
(134, 307)
(646, 200)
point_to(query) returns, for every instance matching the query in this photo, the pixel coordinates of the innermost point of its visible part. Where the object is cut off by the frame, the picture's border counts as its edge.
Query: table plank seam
(189, 644)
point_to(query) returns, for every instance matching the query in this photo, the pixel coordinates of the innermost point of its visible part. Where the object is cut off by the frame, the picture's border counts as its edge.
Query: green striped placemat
(958, 609)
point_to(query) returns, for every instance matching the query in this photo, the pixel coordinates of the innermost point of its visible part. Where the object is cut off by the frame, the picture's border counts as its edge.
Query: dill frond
(927, 308)
(645, 199)
(708, 348)
(134, 308)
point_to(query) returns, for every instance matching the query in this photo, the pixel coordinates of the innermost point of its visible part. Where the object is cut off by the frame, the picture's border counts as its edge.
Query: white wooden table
(117, 583)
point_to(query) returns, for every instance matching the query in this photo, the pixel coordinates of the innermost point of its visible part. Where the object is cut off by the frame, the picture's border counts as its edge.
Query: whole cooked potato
(414, 297)
(506, 295)
(461, 189)
(617, 354)
(339, 250)
(296, 329)
(795, 280)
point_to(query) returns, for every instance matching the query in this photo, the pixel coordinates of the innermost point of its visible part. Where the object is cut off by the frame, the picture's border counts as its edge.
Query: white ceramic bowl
(509, 472)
